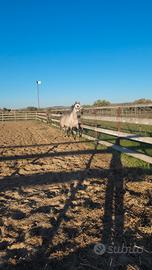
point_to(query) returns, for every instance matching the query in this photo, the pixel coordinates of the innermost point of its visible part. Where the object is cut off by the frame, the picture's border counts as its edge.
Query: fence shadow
(53, 154)
(43, 145)
(113, 218)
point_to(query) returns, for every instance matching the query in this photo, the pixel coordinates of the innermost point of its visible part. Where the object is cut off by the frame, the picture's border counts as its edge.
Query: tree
(31, 108)
(6, 110)
(101, 102)
(86, 105)
(142, 101)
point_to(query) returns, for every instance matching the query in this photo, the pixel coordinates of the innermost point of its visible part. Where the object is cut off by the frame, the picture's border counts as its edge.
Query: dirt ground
(61, 197)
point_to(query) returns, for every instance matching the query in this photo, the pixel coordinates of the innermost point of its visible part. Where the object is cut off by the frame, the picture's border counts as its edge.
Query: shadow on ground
(53, 220)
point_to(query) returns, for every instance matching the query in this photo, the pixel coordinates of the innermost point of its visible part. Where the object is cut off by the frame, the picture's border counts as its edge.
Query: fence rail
(17, 115)
(121, 149)
(118, 135)
(42, 116)
(54, 119)
(141, 121)
(134, 111)
(123, 135)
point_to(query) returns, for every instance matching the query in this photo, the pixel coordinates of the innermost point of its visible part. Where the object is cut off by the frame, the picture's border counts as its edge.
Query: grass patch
(127, 161)
(143, 130)
(137, 146)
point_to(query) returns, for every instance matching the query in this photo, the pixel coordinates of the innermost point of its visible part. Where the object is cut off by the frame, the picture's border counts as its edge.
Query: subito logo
(99, 249)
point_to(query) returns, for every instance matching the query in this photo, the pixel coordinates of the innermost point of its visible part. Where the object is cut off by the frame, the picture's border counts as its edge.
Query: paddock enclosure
(60, 197)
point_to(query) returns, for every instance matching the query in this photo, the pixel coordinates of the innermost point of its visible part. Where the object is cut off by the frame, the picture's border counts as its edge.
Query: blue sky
(80, 49)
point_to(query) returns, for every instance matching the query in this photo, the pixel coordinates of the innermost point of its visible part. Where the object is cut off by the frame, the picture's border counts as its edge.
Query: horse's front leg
(80, 131)
(74, 133)
(63, 130)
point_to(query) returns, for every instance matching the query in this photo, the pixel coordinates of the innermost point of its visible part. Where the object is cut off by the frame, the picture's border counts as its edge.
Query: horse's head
(77, 106)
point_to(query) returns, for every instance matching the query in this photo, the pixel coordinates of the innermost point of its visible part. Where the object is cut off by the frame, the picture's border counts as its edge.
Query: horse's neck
(74, 114)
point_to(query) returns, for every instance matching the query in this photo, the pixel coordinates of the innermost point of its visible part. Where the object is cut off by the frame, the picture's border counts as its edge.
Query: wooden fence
(54, 120)
(121, 119)
(23, 115)
(17, 115)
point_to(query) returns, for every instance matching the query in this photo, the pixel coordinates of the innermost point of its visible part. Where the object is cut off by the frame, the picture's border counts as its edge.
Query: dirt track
(59, 197)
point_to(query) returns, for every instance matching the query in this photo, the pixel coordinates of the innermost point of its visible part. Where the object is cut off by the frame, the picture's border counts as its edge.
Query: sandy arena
(60, 197)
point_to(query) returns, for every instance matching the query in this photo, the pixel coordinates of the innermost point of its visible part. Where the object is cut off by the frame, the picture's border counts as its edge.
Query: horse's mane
(72, 107)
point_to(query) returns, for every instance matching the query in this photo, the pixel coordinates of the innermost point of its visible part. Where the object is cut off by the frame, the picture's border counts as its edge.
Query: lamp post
(38, 98)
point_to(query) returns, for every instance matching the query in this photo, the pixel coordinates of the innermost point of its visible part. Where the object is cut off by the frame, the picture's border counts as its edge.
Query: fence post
(47, 120)
(15, 115)
(50, 119)
(118, 116)
(118, 141)
(97, 133)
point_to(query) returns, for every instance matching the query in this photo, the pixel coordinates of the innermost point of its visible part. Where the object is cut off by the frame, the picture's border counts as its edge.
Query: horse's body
(69, 121)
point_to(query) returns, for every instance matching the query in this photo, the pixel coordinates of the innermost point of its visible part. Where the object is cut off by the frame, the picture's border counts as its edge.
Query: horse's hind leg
(64, 131)
(74, 133)
(68, 132)
(80, 132)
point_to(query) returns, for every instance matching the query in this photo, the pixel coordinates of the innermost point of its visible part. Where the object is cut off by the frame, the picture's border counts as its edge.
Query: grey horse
(70, 121)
